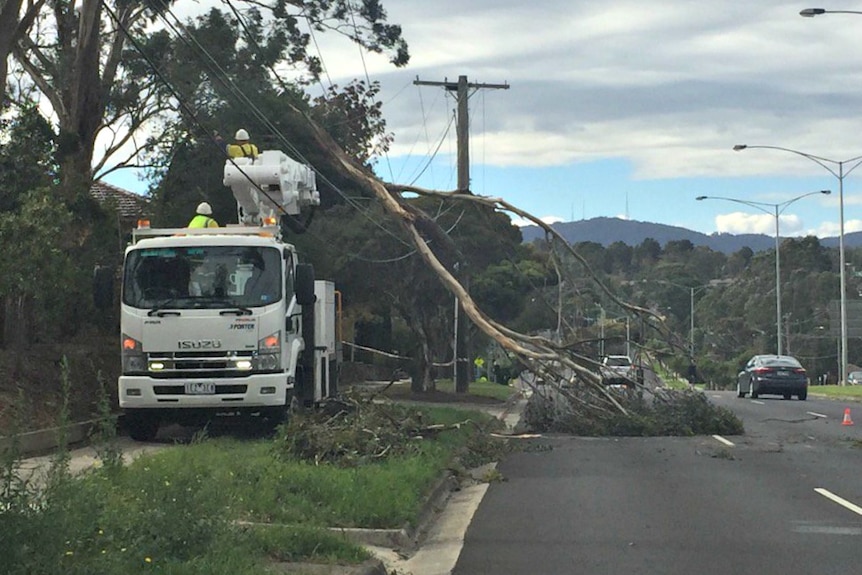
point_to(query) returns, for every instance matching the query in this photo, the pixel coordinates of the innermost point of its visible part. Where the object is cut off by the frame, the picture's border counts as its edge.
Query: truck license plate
(200, 388)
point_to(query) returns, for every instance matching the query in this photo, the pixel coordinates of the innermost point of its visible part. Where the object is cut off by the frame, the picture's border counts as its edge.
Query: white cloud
(672, 86)
(832, 229)
(745, 223)
(521, 222)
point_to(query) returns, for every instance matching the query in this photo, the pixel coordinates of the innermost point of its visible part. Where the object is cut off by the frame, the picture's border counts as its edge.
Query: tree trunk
(422, 378)
(85, 108)
(16, 321)
(11, 29)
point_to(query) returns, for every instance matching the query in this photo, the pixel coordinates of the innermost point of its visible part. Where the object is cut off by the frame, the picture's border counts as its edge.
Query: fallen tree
(561, 365)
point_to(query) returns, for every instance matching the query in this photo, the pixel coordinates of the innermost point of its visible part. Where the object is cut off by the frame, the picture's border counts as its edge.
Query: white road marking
(839, 500)
(828, 530)
(816, 414)
(757, 402)
(720, 439)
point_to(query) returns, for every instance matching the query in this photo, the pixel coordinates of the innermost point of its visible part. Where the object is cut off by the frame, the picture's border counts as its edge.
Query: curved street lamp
(840, 175)
(777, 210)
(812, 12)
(692, 291)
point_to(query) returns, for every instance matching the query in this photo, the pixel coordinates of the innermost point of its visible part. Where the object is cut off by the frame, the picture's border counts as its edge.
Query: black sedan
(773, 374)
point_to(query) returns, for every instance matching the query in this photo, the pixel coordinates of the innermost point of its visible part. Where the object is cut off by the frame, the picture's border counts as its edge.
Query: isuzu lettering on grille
(199, 343)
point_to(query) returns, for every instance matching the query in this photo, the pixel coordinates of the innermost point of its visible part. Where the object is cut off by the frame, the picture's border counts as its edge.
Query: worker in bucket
(203, 217)
(241, 148)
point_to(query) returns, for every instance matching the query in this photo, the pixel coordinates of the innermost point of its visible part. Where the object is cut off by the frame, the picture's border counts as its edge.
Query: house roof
(129, 204)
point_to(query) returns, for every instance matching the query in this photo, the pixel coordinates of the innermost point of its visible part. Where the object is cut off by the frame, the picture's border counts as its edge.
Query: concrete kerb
(45, 440)
(408, 536)
(369, 567)
(409, 539)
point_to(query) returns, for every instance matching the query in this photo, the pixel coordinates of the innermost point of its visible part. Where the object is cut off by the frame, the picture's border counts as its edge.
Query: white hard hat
(241, 135)
(205, 209)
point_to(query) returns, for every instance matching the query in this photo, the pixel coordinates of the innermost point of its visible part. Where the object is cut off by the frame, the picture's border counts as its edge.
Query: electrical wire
(224, 79)
(367, 77)
(221, 76)
(443, 138)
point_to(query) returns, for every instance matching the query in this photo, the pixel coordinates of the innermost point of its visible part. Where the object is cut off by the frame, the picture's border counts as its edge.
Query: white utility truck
(226, 321)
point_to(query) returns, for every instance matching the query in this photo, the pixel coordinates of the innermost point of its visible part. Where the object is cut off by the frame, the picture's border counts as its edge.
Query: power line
(225, 80)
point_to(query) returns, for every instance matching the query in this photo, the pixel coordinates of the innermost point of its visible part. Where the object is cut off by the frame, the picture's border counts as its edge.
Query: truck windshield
(202, 277)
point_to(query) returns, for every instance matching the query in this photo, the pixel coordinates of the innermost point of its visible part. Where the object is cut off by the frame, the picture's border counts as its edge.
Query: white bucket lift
(270, 185)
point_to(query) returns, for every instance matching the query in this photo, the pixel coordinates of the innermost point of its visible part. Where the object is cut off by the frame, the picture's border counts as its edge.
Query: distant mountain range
(606, 231)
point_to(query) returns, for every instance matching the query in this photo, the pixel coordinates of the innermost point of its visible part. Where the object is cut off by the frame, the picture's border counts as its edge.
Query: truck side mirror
(103, 287)
(304, 287)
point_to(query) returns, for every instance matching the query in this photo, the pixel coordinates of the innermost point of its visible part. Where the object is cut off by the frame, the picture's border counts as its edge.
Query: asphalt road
(781, 499)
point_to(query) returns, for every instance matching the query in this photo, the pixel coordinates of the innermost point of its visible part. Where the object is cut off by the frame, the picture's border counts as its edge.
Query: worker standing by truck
(203, 217)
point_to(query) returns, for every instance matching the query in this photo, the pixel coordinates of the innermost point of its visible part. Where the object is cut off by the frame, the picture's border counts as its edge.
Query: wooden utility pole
(462, 130)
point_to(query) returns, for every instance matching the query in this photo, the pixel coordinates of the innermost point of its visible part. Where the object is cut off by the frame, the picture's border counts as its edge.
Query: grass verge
(837, 391)
(477, 392)
(231, 506)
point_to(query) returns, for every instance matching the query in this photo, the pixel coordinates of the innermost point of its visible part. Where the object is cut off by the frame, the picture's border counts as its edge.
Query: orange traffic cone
(847, 420)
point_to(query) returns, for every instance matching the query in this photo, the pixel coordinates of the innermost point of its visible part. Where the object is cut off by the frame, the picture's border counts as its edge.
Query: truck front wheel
(142, 426)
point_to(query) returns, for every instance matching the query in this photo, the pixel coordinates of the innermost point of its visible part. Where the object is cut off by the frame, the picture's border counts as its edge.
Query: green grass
(480, 388)
(669, 379)
(491, 389)
(837, 391)
(483, 389)
(216, 506)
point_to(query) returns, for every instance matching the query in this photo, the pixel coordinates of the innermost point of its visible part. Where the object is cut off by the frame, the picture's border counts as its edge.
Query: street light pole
(778, 281)
(692, 291)
(691, 327)
(778, 209)
(840, 175)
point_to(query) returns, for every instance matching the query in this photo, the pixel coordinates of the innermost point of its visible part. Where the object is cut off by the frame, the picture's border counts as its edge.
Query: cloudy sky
(630, 109)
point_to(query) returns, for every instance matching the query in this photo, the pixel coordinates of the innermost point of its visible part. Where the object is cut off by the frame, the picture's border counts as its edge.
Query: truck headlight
(268, 357)
(133, 357)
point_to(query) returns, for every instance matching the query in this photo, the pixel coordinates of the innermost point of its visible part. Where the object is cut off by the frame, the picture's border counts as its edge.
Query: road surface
(785, 498)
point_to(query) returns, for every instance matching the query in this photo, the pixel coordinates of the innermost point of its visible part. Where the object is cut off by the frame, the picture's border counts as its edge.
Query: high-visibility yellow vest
(202, 221)
(247, 150)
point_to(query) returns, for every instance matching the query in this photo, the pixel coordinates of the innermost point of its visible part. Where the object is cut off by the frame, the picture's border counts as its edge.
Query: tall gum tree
(76, 55)
(15, 20)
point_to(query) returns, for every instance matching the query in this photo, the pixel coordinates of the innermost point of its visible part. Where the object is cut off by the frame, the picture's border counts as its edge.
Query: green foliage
(105, 435)
(500, 289)
(354, 118)
(38, 268)
(26, 159)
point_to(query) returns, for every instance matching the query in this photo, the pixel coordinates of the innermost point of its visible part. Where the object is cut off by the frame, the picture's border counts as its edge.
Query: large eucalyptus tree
(93, 61)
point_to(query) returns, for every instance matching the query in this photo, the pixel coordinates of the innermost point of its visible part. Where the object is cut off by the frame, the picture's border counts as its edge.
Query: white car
(617, 370)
